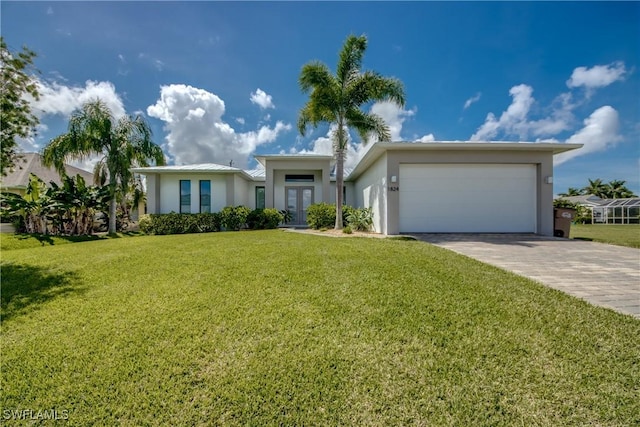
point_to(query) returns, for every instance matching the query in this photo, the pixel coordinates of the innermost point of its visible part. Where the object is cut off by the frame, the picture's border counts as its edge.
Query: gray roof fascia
(165, 170)
(381, 147)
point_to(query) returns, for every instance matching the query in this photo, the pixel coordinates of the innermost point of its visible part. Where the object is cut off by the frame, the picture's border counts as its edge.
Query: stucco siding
(241, 191)
(371, 192)
(170, 192)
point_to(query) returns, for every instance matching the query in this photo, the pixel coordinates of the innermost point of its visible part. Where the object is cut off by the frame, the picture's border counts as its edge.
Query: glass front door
(298, 200)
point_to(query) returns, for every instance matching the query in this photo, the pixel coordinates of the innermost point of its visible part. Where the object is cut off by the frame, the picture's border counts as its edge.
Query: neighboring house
(436, 187)
(31, 163)
(609, 211)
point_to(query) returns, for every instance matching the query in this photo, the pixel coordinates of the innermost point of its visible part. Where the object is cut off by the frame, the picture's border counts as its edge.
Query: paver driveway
(604, 275)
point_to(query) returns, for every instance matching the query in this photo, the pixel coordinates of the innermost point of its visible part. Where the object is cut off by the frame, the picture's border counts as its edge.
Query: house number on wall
(394, 188)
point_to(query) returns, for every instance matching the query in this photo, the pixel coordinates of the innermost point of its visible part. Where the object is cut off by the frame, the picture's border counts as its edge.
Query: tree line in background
(615, 189)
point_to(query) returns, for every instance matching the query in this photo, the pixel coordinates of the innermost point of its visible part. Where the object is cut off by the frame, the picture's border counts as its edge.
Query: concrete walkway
(601, 274)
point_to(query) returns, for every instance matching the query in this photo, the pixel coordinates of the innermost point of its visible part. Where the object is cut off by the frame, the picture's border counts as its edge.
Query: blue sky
(217, 81)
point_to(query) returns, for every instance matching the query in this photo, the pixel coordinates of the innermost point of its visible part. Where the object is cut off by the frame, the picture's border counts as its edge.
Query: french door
(298, 200)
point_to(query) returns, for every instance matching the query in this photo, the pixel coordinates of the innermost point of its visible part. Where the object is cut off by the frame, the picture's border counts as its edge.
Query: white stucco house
(435, 187)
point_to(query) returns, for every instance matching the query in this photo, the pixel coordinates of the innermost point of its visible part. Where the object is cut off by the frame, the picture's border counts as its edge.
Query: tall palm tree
(597, 188)
(617, 189)
(337, 100)
(123, 143)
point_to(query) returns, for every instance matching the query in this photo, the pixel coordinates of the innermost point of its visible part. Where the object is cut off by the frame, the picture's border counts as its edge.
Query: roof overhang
(208, 168)
(263, 158)
(379, 148)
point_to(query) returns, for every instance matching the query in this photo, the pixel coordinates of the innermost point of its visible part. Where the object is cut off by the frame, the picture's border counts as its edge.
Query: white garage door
(467, 198)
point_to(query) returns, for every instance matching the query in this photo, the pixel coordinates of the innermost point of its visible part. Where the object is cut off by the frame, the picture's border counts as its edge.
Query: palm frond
(351, 56)
(367, 124)
(315, 75)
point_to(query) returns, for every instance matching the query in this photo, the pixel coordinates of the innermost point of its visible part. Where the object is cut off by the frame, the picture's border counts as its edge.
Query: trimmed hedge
(230, 218)
(175, 223)
(264, 219)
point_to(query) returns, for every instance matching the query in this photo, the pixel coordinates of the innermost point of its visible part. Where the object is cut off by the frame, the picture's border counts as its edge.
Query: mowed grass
(11, 241)
(276, 328)
(615, 234)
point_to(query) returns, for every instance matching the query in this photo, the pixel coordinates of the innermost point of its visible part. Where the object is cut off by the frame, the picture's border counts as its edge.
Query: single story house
(435, 187)
(17, 180)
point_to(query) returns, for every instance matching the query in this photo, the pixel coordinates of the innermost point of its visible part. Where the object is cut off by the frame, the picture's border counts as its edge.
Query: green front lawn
(269, 327)
(615, 234)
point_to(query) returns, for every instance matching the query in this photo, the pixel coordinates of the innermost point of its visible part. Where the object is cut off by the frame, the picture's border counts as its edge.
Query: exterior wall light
(394, 178)
(548, 180)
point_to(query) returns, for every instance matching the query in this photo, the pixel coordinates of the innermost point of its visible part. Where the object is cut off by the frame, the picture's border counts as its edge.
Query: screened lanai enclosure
(617, 211)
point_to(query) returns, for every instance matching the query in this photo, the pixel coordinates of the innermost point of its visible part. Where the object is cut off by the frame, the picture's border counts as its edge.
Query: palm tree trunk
(339, 185)
(112, 202)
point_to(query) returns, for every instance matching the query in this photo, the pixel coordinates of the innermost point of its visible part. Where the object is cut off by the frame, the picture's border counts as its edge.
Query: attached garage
(471, 198)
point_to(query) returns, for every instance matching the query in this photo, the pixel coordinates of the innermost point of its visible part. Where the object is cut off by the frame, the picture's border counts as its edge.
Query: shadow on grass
(586, 239)
(25, 287)
(46, 239)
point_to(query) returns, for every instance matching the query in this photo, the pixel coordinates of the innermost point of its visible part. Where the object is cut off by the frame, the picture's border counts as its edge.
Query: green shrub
(360, 219)
(145, 223)
(264, 219)
(175, 223)
(321, 215)
(347, 230)
(234, 218)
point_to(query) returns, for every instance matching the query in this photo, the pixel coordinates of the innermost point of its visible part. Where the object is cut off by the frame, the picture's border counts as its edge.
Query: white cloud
(49, 10)
(512, 119)
(393, 115)
(426, 138)
(472, 100)
(240, 120)
(198, 134)
(597, 76)
(262, 99)
(58, 99)
(600, 132)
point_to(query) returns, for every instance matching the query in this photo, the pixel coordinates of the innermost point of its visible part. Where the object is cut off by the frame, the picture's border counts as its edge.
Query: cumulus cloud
(472, 100)
(511, 119)
(197, 132)
(59, 99)
(600, 131)
(597, 76)
(514, 120)
(262, 99)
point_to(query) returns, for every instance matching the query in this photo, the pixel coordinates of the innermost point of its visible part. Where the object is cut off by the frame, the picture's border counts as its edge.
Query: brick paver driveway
(604, 275)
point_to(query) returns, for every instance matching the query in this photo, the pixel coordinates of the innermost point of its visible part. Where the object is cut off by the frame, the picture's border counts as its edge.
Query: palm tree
(337, 99)
(124, 144)
(617, 189)
(596, 187)
(572, 191)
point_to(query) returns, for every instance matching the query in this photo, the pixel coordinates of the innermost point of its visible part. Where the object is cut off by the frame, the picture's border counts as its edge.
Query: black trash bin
(562, 218)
